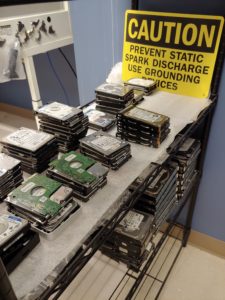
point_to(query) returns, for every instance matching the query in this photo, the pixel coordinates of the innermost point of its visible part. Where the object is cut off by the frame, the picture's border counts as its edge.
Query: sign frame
(197, 69)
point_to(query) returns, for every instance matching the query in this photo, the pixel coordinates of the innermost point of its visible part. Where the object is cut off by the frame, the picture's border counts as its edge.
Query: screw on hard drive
(35, 23)
(2, 42)
(43, 27)
(51, 30)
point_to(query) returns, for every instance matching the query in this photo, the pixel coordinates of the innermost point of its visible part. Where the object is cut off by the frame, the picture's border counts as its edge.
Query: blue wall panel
(209, 216)
(98, 40)
(119, 9)
(93, 43)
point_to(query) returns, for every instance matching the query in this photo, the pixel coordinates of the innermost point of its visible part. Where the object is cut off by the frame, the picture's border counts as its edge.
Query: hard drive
(111, 151)
(141, 126)
(162, 181)
(28, 139)
(103, 143)
(15, 254)
(144, 116)
(143, 139)
(158, 222)
(32, 147)
(16, 240)
(11, 227)
(112, 98)
(83, 174)
(7, 164)
(10, 174)
(114, 90)
(158, 196)
(135, 225)
(59, 111)
(133, 263)
(116, 102)
(145, 85)
(97, 119)
(130, 240)
(108, 110)
(187, 159)
(41, 200)
(68, 124)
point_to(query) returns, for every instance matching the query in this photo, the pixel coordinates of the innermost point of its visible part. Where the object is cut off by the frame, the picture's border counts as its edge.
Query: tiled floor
(197, 275)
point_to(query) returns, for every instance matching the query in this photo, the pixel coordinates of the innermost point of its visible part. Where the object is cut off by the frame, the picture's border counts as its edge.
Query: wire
(68, 62)
(58, 78)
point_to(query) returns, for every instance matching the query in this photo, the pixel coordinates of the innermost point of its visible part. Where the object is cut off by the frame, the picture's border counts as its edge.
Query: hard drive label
(106, 143)
(141, 82)
(8, 225)
(144, 115)
(28, 139)
(58, 110)
(132, 221)
(7, 163)
(186, 145)
(115, 89)
(155, 181)
(70, 157)
(28, 187)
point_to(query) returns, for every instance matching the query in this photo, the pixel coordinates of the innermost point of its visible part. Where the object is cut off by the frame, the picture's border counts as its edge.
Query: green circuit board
(75, 165)
(40, 194)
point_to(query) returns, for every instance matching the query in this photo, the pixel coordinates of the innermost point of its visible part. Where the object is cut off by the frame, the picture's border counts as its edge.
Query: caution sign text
(177, 50)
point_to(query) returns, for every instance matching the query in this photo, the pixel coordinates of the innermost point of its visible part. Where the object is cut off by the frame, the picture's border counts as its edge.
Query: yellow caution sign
(177, 50)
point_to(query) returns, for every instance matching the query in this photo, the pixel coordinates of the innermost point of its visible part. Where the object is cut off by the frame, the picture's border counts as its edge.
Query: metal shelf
(81, 256)
(189, 198)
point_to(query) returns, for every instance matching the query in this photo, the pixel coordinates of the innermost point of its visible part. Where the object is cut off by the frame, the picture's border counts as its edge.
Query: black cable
(58, 78)
(68, 62)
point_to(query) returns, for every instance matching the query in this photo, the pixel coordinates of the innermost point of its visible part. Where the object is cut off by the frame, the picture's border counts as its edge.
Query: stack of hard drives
(145, 85)
(106, 148)
(142, 126)
(160, 196)
(98, 120)
(83, 174)
(186, 157)
(112, 98)
(130, 240)
(44, 202)
(68, 124)
(33, 148)
(11, 174)
(16, 240)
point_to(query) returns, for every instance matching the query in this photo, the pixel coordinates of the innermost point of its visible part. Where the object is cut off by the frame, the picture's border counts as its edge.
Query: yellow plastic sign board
(177, 50)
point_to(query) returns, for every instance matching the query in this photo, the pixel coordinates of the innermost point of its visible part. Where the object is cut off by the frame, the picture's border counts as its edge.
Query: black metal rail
(134, 4)
(168, 230)
(79, 261)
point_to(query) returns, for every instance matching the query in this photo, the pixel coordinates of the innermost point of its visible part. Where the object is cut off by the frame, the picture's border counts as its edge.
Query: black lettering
(174, 88)
(195, 34)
